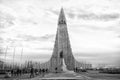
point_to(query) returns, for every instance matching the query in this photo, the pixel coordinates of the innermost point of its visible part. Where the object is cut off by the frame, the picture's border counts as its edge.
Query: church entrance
(61, 54)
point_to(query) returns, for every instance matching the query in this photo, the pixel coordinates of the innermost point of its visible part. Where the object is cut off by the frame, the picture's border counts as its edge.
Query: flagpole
(5, 57)
(21, 57)
(13, 57)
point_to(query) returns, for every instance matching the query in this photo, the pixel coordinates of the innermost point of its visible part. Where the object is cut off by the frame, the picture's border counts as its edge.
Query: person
(36, 71)
(8, 74)
(32, 72)
(12, 72)
(76, 69)
(40, 71)
(20, 72)
(46, 70)
(56, 69)
(17, 72)
(43, 72)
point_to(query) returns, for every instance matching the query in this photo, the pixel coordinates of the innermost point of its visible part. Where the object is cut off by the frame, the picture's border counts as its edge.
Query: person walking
(32, 72)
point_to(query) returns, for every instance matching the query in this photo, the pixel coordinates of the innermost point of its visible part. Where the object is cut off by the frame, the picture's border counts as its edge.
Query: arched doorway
(61, 54)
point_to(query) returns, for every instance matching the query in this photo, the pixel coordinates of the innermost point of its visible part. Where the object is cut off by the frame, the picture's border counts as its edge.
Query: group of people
(32, 72)
(13, 72)
(77, 70)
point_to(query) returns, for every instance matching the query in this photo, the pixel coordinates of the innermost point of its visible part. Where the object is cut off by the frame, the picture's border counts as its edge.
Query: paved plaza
(62, 76)
(76, 76)
(66, 75)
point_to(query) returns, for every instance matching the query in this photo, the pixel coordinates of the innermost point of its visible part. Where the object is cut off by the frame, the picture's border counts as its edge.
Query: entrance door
(61, 54)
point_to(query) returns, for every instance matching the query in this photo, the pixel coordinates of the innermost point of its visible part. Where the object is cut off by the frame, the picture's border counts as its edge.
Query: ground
(90, 75)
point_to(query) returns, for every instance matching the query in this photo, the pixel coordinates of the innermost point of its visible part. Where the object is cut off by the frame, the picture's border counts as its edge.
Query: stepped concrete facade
(62, 48)
(62, 51)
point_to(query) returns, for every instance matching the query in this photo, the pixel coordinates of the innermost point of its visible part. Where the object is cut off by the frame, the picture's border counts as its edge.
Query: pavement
(66, 76)
(62, 76)
(51, 76)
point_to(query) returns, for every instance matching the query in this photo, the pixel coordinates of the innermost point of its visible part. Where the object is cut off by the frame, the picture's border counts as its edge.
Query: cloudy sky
(93, 25)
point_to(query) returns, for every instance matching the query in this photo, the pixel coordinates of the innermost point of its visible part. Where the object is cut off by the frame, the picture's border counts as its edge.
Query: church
(62, 56)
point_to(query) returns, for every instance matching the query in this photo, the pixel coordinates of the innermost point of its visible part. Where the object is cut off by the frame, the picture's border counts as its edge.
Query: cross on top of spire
(62, 19)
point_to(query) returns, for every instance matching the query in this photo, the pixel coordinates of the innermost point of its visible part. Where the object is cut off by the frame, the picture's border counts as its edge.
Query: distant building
(82, 65)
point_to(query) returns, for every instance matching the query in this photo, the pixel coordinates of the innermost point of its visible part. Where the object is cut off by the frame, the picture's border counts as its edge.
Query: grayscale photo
(59, 39)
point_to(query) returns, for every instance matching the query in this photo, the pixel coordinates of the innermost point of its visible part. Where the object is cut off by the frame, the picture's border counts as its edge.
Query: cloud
(101, 55)
(28, 21)
(6, 20)
(90, 21)
(55, 12)
(1, 50)
(101, 17)
(71, 15)
(1, 38)
(100, 59)
(36, 38)
(1, 41)
(2, 32)
(45, 48)
(38, 56)
(87, 15)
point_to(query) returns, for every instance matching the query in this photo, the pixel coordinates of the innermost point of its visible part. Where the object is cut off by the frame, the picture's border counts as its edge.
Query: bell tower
(62, 48)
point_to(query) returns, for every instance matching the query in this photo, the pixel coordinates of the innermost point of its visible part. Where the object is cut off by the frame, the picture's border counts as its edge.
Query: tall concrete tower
(62, 48)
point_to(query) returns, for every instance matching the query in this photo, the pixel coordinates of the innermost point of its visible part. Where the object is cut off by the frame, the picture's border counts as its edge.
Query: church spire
(62, 19)
(62, 48)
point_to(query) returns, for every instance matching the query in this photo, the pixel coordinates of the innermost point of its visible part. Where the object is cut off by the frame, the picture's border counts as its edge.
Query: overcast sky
(93, 25)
